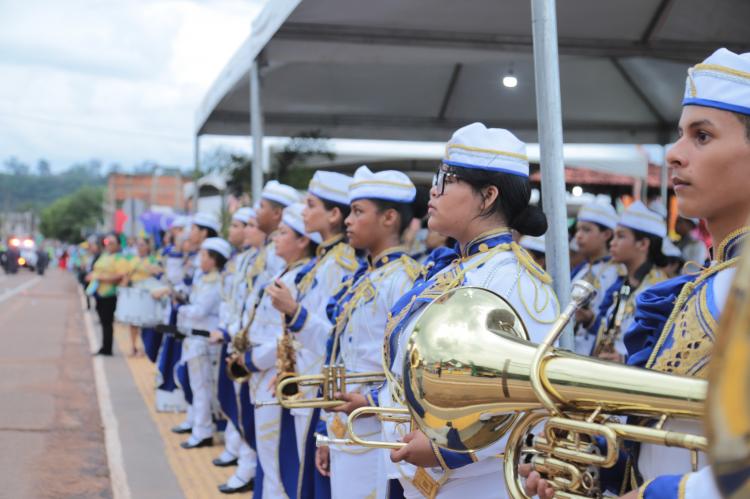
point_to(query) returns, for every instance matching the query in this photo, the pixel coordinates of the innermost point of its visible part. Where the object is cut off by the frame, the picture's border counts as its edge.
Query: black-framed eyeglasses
(438, 180)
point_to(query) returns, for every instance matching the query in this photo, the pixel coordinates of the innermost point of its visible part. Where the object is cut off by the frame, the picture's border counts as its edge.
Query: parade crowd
(305, 284)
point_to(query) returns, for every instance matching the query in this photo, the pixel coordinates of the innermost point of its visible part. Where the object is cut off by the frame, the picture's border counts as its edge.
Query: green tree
(70, 217)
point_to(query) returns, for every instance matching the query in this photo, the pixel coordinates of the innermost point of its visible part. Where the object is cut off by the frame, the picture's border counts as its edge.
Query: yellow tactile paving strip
(197, 477)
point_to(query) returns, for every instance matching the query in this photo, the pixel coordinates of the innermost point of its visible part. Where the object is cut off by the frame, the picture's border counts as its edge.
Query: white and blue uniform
(360, 311)
(275, 438)
(601, 274)
(491, 261)
(674, 332)
(236, 443)
(316, 283)
(201, 356)
(616, 309)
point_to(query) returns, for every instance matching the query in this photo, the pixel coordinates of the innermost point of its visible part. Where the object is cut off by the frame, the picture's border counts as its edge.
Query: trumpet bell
(451, 380)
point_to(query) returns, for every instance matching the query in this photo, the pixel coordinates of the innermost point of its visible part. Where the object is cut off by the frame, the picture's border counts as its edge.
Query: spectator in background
(693, 250)
(535, 245)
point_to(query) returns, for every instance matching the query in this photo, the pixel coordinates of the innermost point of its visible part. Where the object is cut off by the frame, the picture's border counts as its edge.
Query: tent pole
(196, 173)
(664, 178)
(256, 129)
(549, 122)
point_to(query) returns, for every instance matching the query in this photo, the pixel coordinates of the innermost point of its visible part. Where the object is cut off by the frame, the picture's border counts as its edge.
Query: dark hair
(209, 231)
(745, 120)
(512, 201)
(604, 228)
(404, 210)
(345, 209)
(218, 258)
(654, 248)
(275, 204)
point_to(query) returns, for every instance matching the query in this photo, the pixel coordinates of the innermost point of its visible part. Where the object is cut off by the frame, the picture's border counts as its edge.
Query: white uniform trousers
(354, 470)
(267, 435)
(301, 425)
(232, 440)
(199, 413)
(486, 486)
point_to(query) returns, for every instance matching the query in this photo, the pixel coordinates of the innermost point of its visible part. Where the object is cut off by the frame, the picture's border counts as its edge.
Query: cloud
(117, 81)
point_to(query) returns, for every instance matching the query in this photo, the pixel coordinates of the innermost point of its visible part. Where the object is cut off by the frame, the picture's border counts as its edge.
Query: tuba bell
(467, 379)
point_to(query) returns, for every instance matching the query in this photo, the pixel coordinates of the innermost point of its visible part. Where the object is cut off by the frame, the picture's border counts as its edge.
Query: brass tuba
(466, 381)
(728, 408)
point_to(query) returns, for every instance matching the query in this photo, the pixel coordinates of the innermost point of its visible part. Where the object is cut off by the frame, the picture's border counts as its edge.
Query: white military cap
(389, 185)
(638, 217)
(180, 221)
(669, 248)
(280, 193)
(243, 214)
(481, 148)
(722, 81)
(600, 213)
(331, 186)
(219, 245)
(203, 219)
(292, 217)
(533, 243)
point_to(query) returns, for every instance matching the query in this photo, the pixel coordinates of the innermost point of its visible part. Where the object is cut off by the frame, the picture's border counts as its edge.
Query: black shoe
(206, 442)
(102, 352)
(181, 430)
(223, 464)
(225, 489)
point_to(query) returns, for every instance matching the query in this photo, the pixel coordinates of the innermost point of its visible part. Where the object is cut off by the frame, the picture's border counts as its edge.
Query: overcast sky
(113, 80)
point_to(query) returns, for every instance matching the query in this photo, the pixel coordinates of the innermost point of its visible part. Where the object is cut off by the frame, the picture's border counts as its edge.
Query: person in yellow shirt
(141, 267)
(107, 272)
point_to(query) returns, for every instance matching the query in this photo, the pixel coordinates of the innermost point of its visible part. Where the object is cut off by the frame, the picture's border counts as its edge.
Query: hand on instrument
(584, 317)
(418, 451)
(612, 357)
(281, 298)
(352, 401)
(322, 460)
(535, 485)
(216, 337)
(272, 385)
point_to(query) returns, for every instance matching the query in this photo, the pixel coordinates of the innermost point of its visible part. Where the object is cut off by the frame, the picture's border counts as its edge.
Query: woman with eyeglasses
(481, 192)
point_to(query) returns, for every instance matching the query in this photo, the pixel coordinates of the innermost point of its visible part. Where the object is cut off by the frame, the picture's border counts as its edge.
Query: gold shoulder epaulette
(345, 256)
(412, 267)
(210, 277)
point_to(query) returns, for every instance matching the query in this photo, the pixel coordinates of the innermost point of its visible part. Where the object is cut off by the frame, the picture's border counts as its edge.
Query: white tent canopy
(417, 70)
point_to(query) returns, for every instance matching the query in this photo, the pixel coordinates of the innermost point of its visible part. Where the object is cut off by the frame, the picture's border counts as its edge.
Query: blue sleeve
(297, 321)
(663, 487)
(450, 460)
(611, 479)
(652, 310)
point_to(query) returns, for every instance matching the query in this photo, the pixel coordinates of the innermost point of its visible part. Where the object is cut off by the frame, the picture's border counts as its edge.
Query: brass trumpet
(391, 414)
(333, 379)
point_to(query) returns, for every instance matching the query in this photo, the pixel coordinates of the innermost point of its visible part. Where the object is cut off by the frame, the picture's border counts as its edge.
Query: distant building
(136, 193)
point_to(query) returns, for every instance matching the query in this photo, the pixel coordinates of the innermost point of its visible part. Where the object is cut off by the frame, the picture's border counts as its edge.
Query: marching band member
(381, 209)
(535, 245)
(264, 266)
(676, 321)
(637, 246)
(480, 192)
(326, 208)
(202, 226)
(201, 312)
(674, 258)
(595, 226)
(711, 171)
(236, 449)
(276, 443)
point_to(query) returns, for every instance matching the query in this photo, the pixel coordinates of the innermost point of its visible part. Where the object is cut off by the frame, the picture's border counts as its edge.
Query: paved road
(50, 430)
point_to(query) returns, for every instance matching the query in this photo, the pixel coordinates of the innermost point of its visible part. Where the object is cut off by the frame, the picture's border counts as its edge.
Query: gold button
(483, 247)
(384, 259)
